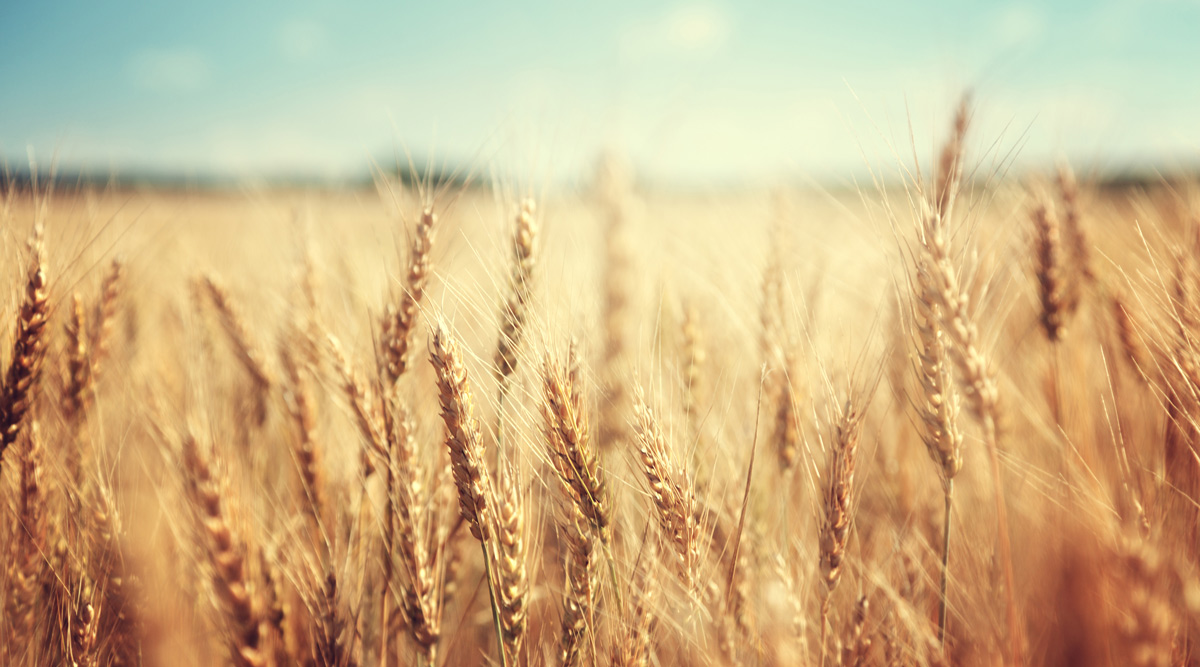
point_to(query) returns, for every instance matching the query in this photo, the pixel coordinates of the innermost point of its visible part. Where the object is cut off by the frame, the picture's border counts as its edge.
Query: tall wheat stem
(487, 568)
(945, 564)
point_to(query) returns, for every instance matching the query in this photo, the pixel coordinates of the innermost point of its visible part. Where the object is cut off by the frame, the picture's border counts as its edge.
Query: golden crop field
(949, 418)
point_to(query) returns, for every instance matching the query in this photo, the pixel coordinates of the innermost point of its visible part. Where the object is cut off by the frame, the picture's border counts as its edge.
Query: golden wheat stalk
(244, 346)
(27, 563)
(512, 582)
(938, 408)
(978, 378)
(571, 452)
(226, 555)
(670, 492)
(29, 347)
(104, 313)
(615, 307)
(301, 406)
(465, 444)
(837, 514)
(367, 416)
(515, 309)
(399, 324)
(1049, 272)
(76, 393)
(579, 595)
(950, 162)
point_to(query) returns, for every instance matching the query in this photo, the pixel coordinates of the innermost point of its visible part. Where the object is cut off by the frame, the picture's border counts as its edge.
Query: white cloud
(685, 31)
(169, 70)
(1017, 25)
(696, 29)
(301, 39)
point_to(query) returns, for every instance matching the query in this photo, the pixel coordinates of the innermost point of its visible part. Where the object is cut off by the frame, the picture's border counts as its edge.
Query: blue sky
(690, 91)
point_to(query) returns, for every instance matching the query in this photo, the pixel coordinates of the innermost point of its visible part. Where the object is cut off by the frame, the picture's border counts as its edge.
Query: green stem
(487, 568)
(945, 566)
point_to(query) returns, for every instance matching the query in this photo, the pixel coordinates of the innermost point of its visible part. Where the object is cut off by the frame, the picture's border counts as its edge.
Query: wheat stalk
(939, 408)
(226, 555)
(464, 441)
(838, 506)
(29, 347)
(670, 492)
(515, 309)
(399, 324)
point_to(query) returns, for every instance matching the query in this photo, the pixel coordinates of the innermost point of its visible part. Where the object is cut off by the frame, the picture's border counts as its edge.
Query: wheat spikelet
(514, 311)
(301, 407)
(76, 393)
(367, 416)
(29, 347)
(332, 630)
(1127, 333)
(26, 565)
(857, 643)
(974, 368)
(227, 558)
(670, 492)
(579, 594)
(418, 599)
(118, 610)
(636, 647)
(1077, 238)
(83, 635)
(950, 162)
(1145, 632)
(399, 324)
(463, 437)
(839, 496)
(975, 372)
(464, 442)
(614, 191)
(246, 350)
(939, 408)
(512, 584)
(1049, 266)
(571, 452)
(694, 356)
(787, 433)
(275, 614)
(104, 313)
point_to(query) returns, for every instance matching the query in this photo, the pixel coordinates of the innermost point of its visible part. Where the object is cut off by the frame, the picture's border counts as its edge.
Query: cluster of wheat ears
(1003, 471)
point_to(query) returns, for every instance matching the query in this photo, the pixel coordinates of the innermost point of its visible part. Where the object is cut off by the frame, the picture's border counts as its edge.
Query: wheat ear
(465, 443)
(514, 311)
(938, 409)
(29, 347)
(227, 557)
(399, 324)
(670, 492)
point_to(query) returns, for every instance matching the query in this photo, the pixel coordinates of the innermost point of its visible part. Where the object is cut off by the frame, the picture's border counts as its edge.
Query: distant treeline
(73, 178)
(70, 178)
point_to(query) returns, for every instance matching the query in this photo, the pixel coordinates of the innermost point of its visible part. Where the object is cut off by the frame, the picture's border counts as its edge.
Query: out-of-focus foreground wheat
(954, 422)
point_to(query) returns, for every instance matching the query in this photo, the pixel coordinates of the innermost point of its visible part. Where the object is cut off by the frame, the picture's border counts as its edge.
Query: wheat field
(946, 418)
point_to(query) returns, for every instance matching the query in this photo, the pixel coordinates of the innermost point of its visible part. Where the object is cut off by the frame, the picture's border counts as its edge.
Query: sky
(693, 91)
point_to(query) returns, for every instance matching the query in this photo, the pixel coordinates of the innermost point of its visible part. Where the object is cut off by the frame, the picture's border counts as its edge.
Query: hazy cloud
(684, 31)
(301, 39)
(169, 70)
(1016, 25)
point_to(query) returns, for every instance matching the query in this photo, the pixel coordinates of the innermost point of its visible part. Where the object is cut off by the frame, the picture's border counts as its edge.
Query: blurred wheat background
(706, 393)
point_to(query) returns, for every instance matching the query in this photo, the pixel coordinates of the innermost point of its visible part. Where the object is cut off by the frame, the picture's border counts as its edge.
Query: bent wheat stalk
(465, 444)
